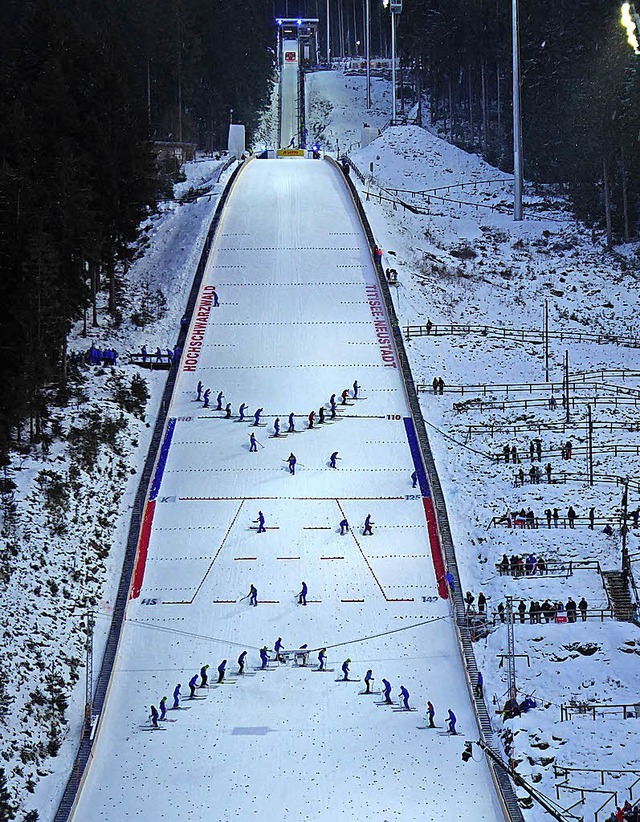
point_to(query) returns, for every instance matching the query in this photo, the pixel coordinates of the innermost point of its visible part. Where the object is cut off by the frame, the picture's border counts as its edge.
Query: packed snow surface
(295, 281)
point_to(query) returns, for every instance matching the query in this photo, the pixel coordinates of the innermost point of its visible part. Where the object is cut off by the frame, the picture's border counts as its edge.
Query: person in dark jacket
(368, 679)
(522, 610)
(302, 596)
(571, 609)
(583, 608)
(222, 667)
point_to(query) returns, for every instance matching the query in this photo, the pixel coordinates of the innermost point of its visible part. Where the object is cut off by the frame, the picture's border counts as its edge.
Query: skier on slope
(387, 691)
(227, 411)
(431, 711)
(256, 416)
(163, 707)
(292, 426)
(332, 460)
(176, 696)
(302, 596)
(199, 388)
(222, 667)
(241, 660)
(264, 656)
(356, 387)
(332, 404)
(276, 427)
(216, 300)
(311, 418)
(344, 396)
(322, 658)
(404, 695)
(344, 527)
(292, 463)
(345, 670)
(260, 521)
(207, 394)
(451, 723)
(219, 399)
(367, 526)
(253, 595)
(277, 648)
(241, 411)
(368, 679)
(154, 716)
(321, 414)
(253, 443)
(192, 686)
(204, 676)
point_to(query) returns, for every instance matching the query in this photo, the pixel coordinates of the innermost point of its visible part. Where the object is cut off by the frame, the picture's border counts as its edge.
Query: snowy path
(296, 323)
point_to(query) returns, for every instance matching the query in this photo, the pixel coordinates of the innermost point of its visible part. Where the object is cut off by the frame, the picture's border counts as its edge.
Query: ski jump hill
(300, 318)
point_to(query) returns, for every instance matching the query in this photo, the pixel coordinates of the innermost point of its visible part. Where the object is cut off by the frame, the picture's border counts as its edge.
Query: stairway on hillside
(617, 589)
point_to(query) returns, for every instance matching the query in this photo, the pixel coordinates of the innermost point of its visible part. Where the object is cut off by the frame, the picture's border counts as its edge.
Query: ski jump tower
(297, 47)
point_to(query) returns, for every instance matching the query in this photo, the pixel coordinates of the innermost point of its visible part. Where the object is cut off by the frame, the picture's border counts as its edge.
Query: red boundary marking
(143, 545)
(434, 543)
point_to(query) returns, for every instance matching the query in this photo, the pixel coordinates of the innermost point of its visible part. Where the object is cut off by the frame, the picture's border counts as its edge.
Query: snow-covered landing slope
(297, 321)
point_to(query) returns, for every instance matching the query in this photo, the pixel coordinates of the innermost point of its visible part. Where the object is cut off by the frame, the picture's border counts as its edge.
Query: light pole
(367, 40)
(328, 35)
(517, 117)
(395, 7)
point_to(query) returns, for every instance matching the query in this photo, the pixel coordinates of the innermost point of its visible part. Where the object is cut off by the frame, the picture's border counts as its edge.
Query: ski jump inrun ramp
(300, 318)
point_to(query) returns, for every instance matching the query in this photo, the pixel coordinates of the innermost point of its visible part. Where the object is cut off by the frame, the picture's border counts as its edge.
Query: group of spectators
(536, 611)
(627, 813)
(516, 566)
(94, 356)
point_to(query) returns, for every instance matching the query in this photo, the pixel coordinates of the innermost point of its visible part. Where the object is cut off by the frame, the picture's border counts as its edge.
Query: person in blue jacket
(345, 670)
(404, 695)
(199, 388)
(207, 394)
(253, 443)
(367, 526)
(414, 479)
(332, 404)
(276, 427)
(292, 463)
(256, 416)
(322, 658)
(222, 667)
(227, 411)
(253, 595)
(355, 390)
(261, 528)
(277, 648)
(163, 707)
(241, 411)
(176, 696)
(192, 686)
(219, 399)
(241, 660)
(264, 656)
(344, 527)
(332, 460)
(386, 690)
(292, 426)
(479, 683)
(451, 721)
(368, 679)
(302, 596)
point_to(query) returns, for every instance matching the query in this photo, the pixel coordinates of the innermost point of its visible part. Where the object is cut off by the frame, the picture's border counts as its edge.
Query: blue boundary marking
(154, 490)
(417, 457)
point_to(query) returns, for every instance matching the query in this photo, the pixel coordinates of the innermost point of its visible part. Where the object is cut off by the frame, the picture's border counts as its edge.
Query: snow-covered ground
(296, 323)
(460, 262)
